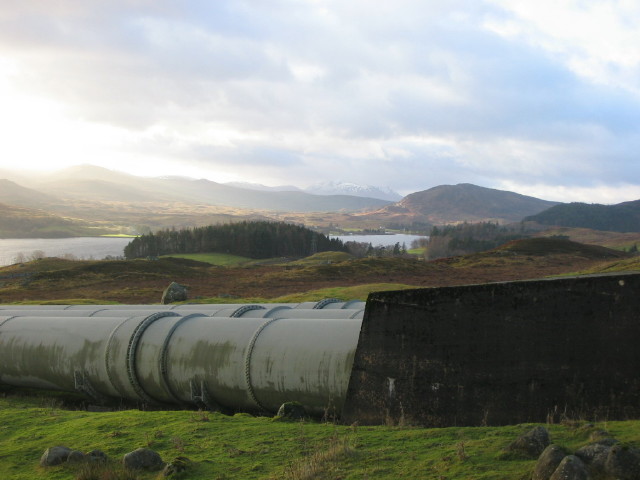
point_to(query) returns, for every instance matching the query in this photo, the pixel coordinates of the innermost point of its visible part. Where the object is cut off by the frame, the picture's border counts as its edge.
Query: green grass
(246, 447)
(357, 292)
(219, 259)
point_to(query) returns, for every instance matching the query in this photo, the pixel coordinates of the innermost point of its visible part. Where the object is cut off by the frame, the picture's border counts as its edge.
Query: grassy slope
(327, 274)
(245, 447)
(220, 259)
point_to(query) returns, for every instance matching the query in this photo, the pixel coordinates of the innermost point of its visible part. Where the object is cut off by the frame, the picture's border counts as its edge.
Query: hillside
(90, 183)
(464, 203)
(623, 217)
(13, 194)
(23, 222)
(142, 281)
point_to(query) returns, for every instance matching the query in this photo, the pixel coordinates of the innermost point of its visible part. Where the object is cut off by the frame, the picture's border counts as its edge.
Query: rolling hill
(464, 203)
(622, 217)
(24, 222)
(90, 183)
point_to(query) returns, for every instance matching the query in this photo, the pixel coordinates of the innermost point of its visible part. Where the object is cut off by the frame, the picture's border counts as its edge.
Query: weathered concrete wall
(500, 353)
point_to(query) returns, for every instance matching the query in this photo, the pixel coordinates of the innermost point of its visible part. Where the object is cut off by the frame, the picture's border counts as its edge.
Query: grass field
(220, 259)
(245, 447)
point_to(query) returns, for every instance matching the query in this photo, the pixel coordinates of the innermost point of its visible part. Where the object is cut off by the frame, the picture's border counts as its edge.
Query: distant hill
(90, 183)
(464, 203)
(14, 194)
(23, 222)
(346, 188)
(623, 217)
(557, 246)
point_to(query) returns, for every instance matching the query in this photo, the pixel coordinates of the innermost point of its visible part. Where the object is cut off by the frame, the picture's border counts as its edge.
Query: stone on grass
(623, 463)
(54, 456)
(97, 456)
(548, 462)
(143, 459)
(76, 456)
(292, 411)
(532, 443)
(594, 456)
(174, 293)
(571, 468)
(176, 466)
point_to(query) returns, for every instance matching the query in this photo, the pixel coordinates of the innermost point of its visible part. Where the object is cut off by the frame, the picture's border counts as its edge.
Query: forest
(466, 238)
(257, 239)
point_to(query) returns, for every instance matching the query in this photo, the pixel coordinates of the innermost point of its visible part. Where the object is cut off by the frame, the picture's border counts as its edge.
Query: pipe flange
(247, 362)
(244, 309)
(131, 352)
(323, 303)
(7, 319)
(164, 366)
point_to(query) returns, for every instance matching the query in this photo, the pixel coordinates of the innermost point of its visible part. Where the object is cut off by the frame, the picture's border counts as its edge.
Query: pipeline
(230, 357)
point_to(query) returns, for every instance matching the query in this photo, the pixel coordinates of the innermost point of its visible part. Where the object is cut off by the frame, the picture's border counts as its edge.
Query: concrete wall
(500, 353)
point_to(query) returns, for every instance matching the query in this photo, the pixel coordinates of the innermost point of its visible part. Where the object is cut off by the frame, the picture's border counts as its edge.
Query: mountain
(14, 194)
(23, 222)
(263, 188)
(623, 217)
(464, 203)
(90, 183)
(345, 188)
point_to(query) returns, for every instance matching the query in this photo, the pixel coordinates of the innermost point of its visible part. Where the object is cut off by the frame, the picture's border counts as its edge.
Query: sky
(537, 97)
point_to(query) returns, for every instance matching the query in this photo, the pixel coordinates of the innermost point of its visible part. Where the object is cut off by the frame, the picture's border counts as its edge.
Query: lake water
(81, 247)
(99, 247)
(381, 240)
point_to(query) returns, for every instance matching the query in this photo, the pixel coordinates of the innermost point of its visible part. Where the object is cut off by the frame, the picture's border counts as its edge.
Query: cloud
(411, 94)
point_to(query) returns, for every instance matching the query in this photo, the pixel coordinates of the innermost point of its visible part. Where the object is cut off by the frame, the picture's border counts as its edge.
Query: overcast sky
(539, 97)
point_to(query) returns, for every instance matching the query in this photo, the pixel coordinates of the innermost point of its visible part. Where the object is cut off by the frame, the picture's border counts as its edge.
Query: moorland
(246, 447)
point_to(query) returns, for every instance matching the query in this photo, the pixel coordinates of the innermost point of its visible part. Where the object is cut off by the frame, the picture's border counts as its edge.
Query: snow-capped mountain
(346, 188)
(263, 188)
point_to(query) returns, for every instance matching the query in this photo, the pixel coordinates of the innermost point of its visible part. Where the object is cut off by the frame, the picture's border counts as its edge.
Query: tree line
(253, 239)
(466, 238)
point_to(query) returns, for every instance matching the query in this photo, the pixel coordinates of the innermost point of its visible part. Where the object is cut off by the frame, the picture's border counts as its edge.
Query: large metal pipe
(236, 357)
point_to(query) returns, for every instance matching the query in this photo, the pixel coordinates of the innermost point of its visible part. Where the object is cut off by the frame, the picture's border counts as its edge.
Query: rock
(532, 443)
(623, 463)
(178, 465)
(292, 411)
(548, 462)
(54, 456)
(143, 459)
(97, 456)
(602, 436)
(75, 456)
(174, 293)
(594, 456)
(571, 468)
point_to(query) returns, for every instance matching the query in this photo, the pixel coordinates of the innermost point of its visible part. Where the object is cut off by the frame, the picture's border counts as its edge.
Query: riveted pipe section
(241, 357)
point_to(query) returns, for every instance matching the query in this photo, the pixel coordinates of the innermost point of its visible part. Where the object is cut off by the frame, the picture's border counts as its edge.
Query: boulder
(176, 466)
(292, 411)
(54, 456)
(532, 443)
(97, 456)
(594, 456)
(76, 456)
(143, 459)
(548, 462)
(623, 463)
(571, 468)
(174, 293)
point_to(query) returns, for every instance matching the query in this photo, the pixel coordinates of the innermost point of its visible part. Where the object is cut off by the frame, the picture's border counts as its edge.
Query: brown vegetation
(142, 281)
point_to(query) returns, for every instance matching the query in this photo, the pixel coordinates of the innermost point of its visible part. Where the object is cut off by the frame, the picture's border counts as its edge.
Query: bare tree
(36, 255)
